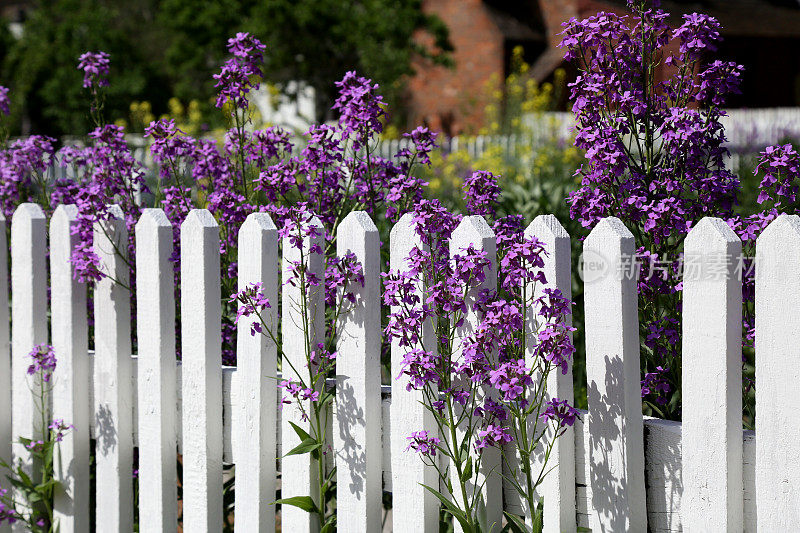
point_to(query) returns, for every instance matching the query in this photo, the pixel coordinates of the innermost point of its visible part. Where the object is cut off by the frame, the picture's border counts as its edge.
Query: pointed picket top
(255, 428)
(546, 227)
(71, 376)
(783, 228)
(610, 227)
(402, 239)
(28, 317)
(357, 221)
(473, 229)
(357, 406)
(777, 343)
(199, 218)
(153, 218)
(558, 487)
(710, 233)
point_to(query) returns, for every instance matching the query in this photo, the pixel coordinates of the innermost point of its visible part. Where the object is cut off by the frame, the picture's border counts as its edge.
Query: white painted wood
(113, 402)
(473, 230)
(357, 429)
(71, 377)
(616, 447)
(299, 472)
(5, 349)
(558, 487)
(414, 508)
(712, 379)
(201, 348)
(28, 325)
(257, 370)
(778, 373)
(5, 356)
(155, 293)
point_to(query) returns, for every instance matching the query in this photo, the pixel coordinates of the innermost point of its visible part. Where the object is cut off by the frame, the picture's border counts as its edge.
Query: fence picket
(357, 430)
(777, 367)
(413, 507)
(712, 355)
(256, 370)
(71, 377)
(156, 371)
(303, 478)
(201, 347)
(616, 442)
(558, 487)
(5, 356)
(28, 322)
(473, 230)
(113, 402)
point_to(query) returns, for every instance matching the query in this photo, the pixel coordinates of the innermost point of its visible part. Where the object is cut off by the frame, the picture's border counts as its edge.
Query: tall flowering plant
(486, 388)
(31, 501)
(648, 105)
(304, 377)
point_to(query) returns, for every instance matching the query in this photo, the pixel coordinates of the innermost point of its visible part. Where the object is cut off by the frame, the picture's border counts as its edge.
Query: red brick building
(764, 35)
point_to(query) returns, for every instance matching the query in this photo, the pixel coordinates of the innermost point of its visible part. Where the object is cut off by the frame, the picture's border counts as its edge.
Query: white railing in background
(617, 471)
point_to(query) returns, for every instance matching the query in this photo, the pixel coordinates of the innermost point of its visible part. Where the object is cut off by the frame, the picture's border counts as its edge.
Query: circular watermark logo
(593, 266)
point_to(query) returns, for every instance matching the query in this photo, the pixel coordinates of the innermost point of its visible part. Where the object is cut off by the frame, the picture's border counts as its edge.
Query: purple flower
(241, 73)
(95, 68)
(44, 361)
(492, 435)
(560, 412)
(423, 443)
(58, 428)
(481, 192)
(5, 102)
(360, 107)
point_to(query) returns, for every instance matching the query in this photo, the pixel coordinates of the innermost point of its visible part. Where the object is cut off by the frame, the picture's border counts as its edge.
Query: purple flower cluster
(95, 66)
(560, 412)
(8, 513)
(423, 443)
(5, 102)
(43, 359)
(481, 192)
(251, 302)
(241, 73)
(654, 144)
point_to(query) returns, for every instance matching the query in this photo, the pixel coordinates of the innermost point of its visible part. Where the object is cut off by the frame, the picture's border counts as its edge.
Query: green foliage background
(165, 48)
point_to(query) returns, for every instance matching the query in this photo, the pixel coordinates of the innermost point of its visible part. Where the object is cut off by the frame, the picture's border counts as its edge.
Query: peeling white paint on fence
(627, 471)
(712, 378)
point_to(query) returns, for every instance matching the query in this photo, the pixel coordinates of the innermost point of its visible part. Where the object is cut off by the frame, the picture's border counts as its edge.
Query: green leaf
(329, 526)
(457, 513)
(300, 432)
(303, 502)
(515, 523)
(467, 473)
(307, 446)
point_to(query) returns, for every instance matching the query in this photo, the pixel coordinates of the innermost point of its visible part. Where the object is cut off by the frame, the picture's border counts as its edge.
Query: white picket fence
(617, 471)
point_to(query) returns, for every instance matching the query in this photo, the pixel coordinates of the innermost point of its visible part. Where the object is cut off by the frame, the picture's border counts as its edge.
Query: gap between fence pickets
(662, 456)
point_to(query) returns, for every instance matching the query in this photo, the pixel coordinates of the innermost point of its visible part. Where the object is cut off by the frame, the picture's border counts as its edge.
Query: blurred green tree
(164, 48)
